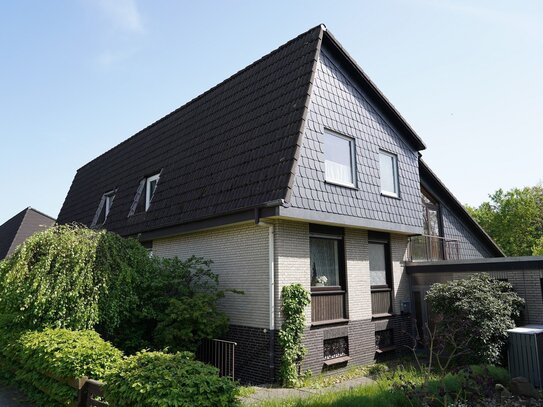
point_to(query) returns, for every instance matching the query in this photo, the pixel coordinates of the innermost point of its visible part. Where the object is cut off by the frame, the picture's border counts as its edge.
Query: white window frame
(395, 174)
(148, 196)
(108, 203)
(352, 148)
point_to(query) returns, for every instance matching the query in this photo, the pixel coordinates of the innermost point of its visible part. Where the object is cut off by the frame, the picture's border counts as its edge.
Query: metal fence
(219, 353)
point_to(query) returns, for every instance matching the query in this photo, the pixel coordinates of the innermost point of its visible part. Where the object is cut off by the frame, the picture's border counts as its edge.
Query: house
(20, 227)
(295, 169)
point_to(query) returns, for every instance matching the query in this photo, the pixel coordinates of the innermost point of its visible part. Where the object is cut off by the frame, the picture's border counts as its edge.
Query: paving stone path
(277, 393)
(10, 397)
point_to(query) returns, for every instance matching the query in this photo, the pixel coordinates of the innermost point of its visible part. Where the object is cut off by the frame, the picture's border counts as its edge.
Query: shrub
(71, 277)
(295, 299)
(159, 379)
(179, 307)
(485, 307)
(42, 362)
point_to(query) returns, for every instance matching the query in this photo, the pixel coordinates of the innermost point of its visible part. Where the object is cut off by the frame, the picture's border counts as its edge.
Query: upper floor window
(150, 188)
(339, 159)
(104, 207)
(388, 170)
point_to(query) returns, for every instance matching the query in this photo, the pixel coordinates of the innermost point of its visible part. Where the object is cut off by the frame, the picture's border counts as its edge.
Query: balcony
(432, 248)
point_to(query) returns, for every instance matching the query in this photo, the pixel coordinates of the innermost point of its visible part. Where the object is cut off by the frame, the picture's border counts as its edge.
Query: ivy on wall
(295, 299)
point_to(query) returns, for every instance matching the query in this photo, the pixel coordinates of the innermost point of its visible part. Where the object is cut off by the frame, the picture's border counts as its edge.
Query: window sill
(383, 315)
(336, 361)
(341, 184)
(390, 195)
(330, 322)
(385, 349)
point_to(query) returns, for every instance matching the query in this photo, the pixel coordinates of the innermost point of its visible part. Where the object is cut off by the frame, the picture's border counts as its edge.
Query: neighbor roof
(17, 229)
(233, 148)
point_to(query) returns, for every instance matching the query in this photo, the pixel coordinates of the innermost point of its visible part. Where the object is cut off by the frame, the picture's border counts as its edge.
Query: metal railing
(432, 248)
(219, 353)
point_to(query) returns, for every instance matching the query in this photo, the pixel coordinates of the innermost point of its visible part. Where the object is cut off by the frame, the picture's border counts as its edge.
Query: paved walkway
(9, 397)
(275, 393)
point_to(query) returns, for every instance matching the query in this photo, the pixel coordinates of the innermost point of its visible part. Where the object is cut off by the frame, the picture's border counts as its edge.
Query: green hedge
(43, 362)
(160, 379)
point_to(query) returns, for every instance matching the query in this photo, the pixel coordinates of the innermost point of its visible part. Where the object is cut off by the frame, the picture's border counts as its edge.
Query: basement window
(336, 348)
(150, 188)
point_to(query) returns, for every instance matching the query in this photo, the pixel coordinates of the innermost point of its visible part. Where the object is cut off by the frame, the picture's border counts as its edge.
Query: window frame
(395, 174)
(352, 159)
(148, 196)
(384, 240)
(329, 233)
(108, 197)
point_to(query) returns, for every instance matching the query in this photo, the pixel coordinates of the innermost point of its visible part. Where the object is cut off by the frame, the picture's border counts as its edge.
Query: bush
(484, 307)
(159, 379)
(42, 362)
(72, 277)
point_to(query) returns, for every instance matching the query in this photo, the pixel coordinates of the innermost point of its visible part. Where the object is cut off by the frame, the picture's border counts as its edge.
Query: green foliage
(179, 307)
(537, 249)
(486, 307)
(41, 362)
(514, 219)
(71, 277)
(160, 379)
(295, 299)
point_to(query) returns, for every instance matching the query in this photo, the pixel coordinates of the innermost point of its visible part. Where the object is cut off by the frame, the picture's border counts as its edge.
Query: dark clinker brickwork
(469, 246)
(338, 105)
(361, 344)
(252, 362)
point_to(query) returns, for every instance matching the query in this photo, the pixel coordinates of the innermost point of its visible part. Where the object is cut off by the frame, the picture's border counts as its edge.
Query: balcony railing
(432, 248)
(327, 306)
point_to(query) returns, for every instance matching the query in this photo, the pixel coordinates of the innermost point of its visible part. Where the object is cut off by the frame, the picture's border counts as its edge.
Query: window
(324, 262)
(336, 347)
(150, 188)
(388, 169)
(378, 268)
(104, 207)
(338, 159)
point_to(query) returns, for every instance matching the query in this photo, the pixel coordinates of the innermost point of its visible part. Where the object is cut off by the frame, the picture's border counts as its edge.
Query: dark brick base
(258, 354)
(254, 361)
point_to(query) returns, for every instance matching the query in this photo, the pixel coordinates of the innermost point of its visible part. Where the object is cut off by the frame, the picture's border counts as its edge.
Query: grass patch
(246, 391)
(330, 379)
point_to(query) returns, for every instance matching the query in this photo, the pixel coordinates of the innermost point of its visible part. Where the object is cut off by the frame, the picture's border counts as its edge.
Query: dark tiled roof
(233, 147)
(17, 229)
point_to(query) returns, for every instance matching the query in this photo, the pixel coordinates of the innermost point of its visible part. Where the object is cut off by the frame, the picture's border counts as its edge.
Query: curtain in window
(324, 262)
(378, 273)
(388, 177)
(337, 159)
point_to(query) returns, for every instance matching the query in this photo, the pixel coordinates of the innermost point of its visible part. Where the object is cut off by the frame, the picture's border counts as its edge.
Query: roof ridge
(193, 100)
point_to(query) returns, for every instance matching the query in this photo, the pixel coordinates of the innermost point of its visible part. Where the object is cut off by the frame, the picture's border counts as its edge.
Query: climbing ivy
(295, 299)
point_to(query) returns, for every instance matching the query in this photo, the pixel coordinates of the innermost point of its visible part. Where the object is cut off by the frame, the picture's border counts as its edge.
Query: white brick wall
(358, 274)
(240, 258)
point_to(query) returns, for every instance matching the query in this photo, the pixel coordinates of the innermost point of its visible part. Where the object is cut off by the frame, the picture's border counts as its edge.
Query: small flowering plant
(321, 280)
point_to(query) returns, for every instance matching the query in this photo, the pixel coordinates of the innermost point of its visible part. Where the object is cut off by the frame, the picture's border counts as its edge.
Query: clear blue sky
(79, 76)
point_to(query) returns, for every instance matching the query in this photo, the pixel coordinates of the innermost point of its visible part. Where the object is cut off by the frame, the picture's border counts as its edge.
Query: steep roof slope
(17, 229)
(233, 147)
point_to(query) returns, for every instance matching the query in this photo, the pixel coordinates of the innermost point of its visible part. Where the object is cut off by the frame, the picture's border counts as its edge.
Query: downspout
(271, 292)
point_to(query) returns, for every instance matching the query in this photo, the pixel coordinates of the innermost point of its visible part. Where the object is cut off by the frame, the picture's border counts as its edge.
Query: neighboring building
(23, 225)
(295, 169)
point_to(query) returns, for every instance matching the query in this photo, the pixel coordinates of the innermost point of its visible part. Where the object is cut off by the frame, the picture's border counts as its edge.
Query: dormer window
(388, 170)
(150, 188)
(104, 207)
(339, 159)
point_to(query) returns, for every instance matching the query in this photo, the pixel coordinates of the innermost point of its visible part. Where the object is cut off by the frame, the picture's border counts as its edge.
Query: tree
(537, 250)
(486, 307)
(514, 219)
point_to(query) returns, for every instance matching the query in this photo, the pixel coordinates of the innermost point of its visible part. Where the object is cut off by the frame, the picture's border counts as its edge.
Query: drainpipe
(271, 291)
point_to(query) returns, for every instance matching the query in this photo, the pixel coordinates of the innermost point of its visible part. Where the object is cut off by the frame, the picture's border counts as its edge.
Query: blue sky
(77, 77)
